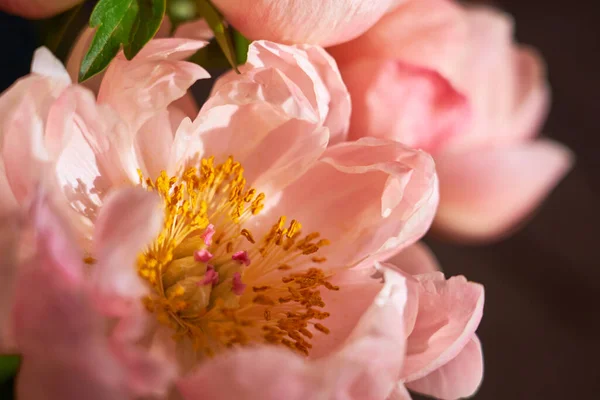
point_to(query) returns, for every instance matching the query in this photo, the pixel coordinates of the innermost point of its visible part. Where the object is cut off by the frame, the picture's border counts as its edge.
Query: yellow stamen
(205, 301)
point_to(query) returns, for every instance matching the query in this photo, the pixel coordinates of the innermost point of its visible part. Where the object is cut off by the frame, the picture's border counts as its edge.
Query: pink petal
(24, 108)
(36, 8)
(59, 334)
(303, 21)
(532, 100)
(54, 378)
(400, 393)
(129, 220)
(10, 232)
(357, 291)
(512, 106)
(449, 313)
(457, 379)
(315, 73)
(151, 81)
(428, 33)
(370, 198)
(24, 150)
(284, 138)
(268, 373)
(404, 102)
(359, 288)
(371, 359)
(94, 147)
(46, 64)
(487, 192)
(416, 259)
(8, 203)
(153, 144)
(148, 369)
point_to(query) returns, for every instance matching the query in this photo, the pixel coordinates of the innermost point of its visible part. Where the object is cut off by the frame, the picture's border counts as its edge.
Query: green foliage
(220, 28)
(241, 47)
(127, 23)
(8, 366)
(180, 11)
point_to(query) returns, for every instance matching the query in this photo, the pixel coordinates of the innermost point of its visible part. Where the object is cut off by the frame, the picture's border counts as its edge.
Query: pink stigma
(237, 287)
(208, 234)
(241, 257)
(211, 276)
(202, 255)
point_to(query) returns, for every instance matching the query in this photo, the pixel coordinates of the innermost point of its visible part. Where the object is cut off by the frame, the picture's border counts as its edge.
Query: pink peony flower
(450, 80)
(156, 259)
(324, 22)
(37, 8)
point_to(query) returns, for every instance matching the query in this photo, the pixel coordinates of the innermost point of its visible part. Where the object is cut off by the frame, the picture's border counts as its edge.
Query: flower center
(213, 283)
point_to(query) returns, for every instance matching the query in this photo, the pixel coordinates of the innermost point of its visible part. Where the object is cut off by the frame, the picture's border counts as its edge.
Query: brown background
(539, 330)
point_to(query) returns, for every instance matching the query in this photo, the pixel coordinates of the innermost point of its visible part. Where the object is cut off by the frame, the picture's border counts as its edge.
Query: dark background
(539, 330)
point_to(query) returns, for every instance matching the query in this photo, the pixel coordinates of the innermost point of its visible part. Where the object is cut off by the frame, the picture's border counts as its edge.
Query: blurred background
(539, 330)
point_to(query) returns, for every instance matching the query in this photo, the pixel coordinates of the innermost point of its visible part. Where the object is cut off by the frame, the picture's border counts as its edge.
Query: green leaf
(219, 27)
(130, 23)
(8, 366)
(241, 47)
(150, 16)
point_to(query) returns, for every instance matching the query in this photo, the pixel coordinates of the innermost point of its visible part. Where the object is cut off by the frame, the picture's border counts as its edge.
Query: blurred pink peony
(155, 259)
(37, 8)
(448, 79)
(324, 22)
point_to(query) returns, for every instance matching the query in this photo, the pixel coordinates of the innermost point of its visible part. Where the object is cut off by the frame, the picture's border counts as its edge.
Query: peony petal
(323, 22)
(359, 287)
(46, 64)
(371, 359)
(129, 220)
(487, 192)
(153, 144)
(8, 203)
(404, 102)
(55, 378)
(58, 332)
(459, 378)
(10, 232)
(449, 313)
(151, 81)
(94, 148)
(512, 106)
(66, 345)
(263, 120)
(532, 100)
(24, 151)
(24, 108)
(268, 373)
(149, 369)
(416, 259)
(315, 73)
(428, 33)
(375, 197)
(358, 290)
(400, 393)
